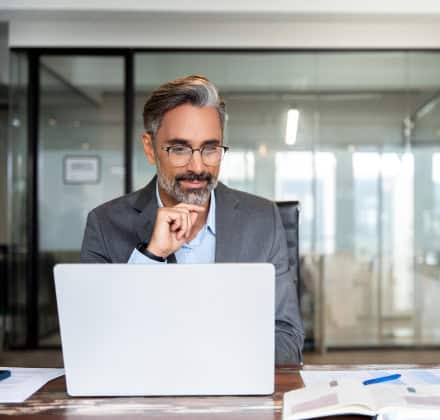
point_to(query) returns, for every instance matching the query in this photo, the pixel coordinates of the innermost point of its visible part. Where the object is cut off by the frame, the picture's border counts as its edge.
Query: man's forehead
(190, 123)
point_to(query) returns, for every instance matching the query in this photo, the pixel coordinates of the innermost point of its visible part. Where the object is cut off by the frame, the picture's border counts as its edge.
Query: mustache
(191, 176)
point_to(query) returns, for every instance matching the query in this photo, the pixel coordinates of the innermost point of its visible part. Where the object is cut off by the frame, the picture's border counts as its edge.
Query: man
(184, 215)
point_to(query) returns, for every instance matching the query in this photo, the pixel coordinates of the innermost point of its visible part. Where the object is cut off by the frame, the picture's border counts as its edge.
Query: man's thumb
(193, 216)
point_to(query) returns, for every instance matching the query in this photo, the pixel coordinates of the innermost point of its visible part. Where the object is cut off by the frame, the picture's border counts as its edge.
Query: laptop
(137, 330)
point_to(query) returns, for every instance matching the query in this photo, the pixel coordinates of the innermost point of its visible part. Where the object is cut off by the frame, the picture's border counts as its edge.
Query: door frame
(33, 112)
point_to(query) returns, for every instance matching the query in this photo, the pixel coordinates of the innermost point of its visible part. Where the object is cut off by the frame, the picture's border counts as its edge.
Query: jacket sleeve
(93, 248)
(289, 333)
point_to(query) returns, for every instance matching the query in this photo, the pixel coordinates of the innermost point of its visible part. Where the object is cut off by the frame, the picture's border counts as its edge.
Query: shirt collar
(210, 221)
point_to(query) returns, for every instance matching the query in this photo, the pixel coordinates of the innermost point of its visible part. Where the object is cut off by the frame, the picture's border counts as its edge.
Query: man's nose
(196, 163)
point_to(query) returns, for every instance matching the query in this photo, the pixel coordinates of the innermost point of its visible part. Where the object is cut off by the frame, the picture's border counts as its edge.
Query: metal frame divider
(33, 103)
(32, 270)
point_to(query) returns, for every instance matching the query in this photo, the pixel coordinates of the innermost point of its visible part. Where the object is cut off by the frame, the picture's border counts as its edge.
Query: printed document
(348, 396)
(23, 382)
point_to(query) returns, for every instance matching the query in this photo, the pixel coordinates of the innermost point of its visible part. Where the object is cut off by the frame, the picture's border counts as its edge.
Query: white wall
(222, 33)
(225, 24)
(314, 7)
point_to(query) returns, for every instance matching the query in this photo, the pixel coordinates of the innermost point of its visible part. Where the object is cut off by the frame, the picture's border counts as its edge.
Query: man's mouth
(193, 181)
(193, 184)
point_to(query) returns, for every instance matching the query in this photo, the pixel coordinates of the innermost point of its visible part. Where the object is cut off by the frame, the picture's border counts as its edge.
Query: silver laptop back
(205, 329)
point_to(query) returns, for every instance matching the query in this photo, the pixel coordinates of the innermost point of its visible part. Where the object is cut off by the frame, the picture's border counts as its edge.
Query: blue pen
(4, 374)
(382, 379)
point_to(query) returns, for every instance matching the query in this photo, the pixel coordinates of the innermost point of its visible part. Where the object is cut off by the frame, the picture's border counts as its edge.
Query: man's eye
(179, 149)
(210, 149)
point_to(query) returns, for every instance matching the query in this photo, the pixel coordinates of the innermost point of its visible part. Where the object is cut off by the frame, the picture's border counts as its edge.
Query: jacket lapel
(227, 225)
(146, 207)
(227, 220)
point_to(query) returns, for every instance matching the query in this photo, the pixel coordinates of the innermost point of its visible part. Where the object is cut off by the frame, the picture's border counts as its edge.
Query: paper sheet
(349, 396)
(409, 376)
(408, 413)
(23, 382)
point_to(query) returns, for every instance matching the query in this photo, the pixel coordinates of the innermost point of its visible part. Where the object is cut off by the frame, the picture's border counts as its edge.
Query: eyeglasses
(180, 155)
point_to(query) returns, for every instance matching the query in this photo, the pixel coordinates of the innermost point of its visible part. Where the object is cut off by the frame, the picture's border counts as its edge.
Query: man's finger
(174, 220)
(193, 216)
(191, 207)
(190, 223)
(184, 226)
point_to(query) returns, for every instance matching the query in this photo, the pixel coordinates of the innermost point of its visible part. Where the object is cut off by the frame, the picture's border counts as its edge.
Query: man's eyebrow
(188, 143)
(178, 141)
(213, 141)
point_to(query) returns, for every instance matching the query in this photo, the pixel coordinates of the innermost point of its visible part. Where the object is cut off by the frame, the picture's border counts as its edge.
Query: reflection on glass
(402, 218)
(293, 181)
(364, 167)
(238, 169)
(365, 179)
(80, 160)
(298, 176)
(19, 247)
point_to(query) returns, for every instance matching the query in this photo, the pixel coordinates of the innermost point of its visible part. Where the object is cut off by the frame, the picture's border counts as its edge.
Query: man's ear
(147, 142)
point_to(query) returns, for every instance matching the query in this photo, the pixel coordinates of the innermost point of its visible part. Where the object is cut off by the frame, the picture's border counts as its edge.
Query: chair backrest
(289, 212)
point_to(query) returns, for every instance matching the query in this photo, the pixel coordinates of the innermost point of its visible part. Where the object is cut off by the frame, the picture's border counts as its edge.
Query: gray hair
(194, 90)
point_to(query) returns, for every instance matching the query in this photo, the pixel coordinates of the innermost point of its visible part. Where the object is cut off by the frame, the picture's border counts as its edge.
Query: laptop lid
(205, 329)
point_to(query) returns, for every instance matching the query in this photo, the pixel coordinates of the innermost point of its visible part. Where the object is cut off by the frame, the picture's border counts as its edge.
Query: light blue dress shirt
(201, 250)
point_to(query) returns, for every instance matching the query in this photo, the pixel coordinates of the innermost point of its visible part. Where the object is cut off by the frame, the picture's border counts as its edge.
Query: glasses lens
(212, 155)
(179, 155)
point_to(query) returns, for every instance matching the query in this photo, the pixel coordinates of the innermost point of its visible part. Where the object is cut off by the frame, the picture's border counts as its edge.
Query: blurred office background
(337, 108)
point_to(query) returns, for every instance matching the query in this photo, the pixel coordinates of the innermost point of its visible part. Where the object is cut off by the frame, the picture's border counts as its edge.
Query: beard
(196, 196)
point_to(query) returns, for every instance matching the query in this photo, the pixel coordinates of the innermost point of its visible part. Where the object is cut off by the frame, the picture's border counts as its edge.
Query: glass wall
(80, 160)
(364, 166)
(79, 164)
(19, 247)
(363, 160)
(4, 240)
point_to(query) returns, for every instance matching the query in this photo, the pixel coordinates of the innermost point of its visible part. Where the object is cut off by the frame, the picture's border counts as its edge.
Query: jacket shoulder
(248, 202)
(120, 204)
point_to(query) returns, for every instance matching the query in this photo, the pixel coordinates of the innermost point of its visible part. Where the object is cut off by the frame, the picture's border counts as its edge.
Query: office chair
(289, 212)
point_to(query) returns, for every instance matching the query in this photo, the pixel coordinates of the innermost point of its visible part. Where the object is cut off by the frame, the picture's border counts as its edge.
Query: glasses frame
(198, 149)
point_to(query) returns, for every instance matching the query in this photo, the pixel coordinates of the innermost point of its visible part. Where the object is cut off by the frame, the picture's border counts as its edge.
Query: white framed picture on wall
(81, 169)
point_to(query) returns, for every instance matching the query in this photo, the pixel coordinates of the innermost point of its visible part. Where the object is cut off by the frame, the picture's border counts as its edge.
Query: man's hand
(173, 228)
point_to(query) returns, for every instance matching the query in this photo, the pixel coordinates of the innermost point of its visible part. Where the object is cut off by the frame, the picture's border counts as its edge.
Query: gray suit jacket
(248, 229)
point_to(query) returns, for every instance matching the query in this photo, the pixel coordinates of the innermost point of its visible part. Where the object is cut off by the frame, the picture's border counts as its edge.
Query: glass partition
(363, 164)
(81, 164)
(361, 155)
(19, 247)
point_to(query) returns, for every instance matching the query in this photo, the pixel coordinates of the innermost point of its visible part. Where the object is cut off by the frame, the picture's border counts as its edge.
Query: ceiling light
(262, 150)
(292, 126)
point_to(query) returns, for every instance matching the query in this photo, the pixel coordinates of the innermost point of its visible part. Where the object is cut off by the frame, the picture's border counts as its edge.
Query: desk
(53, 402)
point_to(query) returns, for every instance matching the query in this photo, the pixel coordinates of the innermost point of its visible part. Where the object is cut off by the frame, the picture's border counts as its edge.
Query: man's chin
(195, 196)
